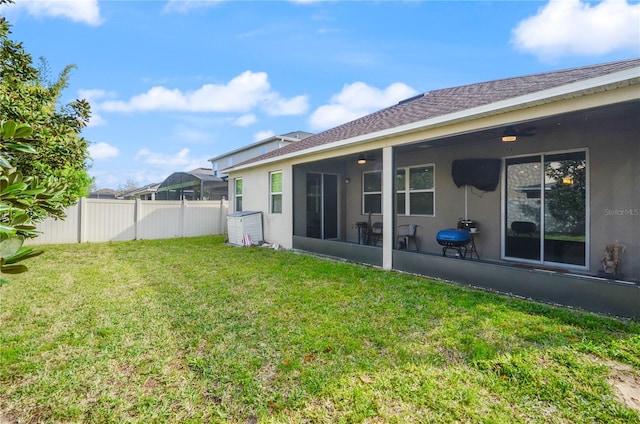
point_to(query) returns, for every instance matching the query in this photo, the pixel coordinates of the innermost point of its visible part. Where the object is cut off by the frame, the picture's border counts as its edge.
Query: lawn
(194, 330)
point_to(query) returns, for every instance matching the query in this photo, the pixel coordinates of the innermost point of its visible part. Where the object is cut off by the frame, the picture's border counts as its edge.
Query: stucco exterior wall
(277, 227)
(615, 194)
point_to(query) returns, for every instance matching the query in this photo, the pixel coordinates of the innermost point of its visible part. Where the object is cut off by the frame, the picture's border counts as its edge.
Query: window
(275, 190)
(372, 192)
(545, 204)
(415, 190)
(238, 194)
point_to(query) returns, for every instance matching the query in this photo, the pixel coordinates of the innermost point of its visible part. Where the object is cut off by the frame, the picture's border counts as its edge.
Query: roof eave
(256, 144)
(568, 91)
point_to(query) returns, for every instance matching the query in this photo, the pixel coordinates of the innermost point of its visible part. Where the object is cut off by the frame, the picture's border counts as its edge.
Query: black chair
(523, 227)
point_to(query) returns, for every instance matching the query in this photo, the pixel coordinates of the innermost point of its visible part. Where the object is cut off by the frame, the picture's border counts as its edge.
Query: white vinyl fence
(100, 220)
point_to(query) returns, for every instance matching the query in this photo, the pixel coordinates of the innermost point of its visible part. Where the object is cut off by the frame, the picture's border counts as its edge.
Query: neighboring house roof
(203, 174)
(149, 188)
(451, 101)
(103, 193)
(187, 178)
(288, 137)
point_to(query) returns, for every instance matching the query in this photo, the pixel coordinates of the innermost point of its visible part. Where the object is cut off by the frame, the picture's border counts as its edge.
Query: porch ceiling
(607, 115)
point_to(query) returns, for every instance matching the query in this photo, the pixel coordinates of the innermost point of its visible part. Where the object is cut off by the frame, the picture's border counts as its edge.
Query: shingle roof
(448, 100)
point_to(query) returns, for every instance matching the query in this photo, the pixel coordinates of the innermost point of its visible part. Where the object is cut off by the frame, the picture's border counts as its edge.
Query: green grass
(193, 330)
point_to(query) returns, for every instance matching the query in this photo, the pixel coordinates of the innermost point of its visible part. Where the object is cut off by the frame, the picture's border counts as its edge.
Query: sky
(174, 83)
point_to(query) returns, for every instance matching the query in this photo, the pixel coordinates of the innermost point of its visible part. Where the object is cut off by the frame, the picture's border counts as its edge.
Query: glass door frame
(541, 230)
(322, 202)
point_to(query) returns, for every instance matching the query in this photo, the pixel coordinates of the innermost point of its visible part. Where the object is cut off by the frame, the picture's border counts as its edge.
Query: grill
(454, 239)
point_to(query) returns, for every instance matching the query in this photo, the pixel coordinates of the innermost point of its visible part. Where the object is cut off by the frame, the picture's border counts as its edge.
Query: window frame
(407, 191)
(371, 193)
(237, 196)
(273, 194)
(543, 197)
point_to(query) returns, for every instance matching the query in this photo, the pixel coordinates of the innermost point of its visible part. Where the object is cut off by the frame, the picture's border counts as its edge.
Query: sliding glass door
(546, 208)
(322, 206)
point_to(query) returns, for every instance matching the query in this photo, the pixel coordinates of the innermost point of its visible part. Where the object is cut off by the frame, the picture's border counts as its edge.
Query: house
(103, 193)
(545, 168)
(225, 160)
(147, 192)
(197, 184)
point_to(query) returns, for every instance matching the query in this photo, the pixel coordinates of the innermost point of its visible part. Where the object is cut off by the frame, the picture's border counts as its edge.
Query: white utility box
(241, 223)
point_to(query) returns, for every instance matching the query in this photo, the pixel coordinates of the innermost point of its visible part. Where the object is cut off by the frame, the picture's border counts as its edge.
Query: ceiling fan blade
(526, 132)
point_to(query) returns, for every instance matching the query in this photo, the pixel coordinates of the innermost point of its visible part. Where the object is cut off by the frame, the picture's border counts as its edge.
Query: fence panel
(198, 219)
(102, 220)
(160, 219)
(59, 231)
(108, 220)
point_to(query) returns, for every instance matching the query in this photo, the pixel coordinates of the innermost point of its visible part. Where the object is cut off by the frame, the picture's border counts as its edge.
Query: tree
(23, 199)
(128, 186)
(566, 199)
(42, 156)
(29, 95)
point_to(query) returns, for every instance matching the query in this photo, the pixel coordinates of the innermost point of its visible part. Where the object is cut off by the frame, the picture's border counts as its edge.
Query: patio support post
(388, 180)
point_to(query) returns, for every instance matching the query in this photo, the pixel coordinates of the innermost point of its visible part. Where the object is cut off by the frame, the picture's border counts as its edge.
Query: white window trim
(364, 193)
(407, 188)
(236, 195)
(272, 193)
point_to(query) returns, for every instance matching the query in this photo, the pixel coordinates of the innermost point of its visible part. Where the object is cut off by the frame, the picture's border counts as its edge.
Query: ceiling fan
(362, 159)
(511, 134)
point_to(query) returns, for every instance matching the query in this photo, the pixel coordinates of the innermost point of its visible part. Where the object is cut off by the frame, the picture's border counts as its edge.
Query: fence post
(221, 222)
(183, 206)
(136, 218)
(82, 218)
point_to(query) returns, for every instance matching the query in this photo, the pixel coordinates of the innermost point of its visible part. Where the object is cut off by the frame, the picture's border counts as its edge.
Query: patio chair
(407, 234)
(375, 233)
(523, 227)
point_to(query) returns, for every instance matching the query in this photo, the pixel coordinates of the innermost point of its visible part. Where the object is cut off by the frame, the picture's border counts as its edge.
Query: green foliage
(567, 199)
(31, 96)
(23, 199)
(43, 158)
(12, 252)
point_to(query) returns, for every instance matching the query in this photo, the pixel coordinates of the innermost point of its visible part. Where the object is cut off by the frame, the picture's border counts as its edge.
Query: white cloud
(295, 106)
(86, 11)
(93, 96)
(243, 93)
(185, 6)
(245, 120)
(169, 163)
(357, 100)
(305, 1)
(96, 120)
(573, 27)
(151, 158)
(103, 151)
(261, 135)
